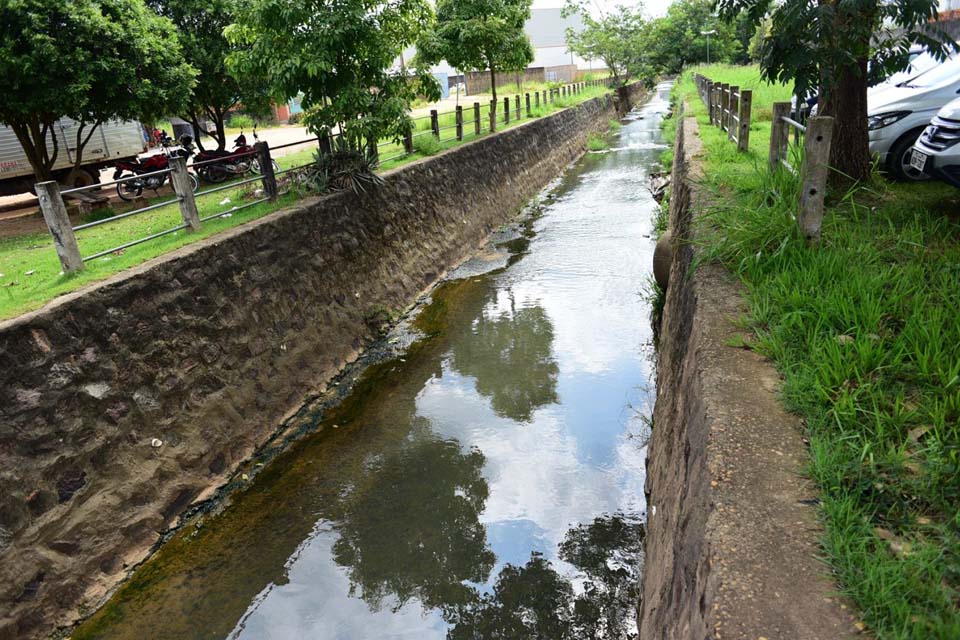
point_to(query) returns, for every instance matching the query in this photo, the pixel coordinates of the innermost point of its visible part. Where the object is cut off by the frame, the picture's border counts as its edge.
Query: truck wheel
(898, 164)
(81, 178)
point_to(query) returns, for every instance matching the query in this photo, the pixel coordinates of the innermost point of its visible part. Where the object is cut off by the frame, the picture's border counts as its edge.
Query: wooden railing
(729, 108)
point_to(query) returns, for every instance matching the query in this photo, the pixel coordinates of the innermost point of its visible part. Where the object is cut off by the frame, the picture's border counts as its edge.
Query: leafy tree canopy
(479, 35)
(90, 60)
(615, 38)
(677, 39)
(338, 54)
(831, 44)
(200, 25)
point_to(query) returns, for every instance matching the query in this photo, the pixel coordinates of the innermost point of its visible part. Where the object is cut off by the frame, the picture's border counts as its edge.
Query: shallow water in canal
(486, 484)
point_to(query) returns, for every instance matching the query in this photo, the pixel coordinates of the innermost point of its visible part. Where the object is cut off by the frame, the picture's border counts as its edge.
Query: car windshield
(941, 74)
(919, 64)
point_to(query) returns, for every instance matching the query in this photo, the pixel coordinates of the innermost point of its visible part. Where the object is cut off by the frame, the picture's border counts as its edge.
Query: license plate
(918, 160)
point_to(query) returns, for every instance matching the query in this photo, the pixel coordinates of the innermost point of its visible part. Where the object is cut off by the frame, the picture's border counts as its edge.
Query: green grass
(34, 254)
(597, 142)
(865, 328)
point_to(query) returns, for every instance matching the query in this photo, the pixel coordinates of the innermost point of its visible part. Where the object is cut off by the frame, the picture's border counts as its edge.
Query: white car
(899, 113)
(936, 152)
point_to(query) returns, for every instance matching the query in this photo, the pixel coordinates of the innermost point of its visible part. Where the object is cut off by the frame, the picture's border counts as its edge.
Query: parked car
(898, 115)
(919, 61)
(112, 142)
(937, 152)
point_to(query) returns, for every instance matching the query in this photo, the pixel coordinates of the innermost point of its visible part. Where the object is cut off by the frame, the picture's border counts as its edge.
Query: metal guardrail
(64, 234)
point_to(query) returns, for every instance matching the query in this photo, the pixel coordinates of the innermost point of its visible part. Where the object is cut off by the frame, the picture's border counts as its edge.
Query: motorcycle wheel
(255, 166)
(214, 174)
(130, 190)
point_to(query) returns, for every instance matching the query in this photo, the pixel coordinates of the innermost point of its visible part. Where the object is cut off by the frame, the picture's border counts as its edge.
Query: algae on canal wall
(206, 349)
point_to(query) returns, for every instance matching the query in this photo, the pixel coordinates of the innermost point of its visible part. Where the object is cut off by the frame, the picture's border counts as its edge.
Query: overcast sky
(652, 7)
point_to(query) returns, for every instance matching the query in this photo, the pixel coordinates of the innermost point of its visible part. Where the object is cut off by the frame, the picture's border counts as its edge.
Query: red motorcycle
(217, 165)
(131, 189)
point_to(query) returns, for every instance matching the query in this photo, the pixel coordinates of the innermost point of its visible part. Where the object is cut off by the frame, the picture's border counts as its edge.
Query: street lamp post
(708, 34)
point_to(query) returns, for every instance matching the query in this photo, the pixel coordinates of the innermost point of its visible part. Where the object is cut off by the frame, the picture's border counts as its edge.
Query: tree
(338, 54)
(676, 39)
(479, 35)
(90, 60)
(833, 44)
(613, 38)
(200, 24)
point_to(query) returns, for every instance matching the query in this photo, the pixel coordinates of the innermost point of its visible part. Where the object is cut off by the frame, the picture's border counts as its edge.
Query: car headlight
(881, 120)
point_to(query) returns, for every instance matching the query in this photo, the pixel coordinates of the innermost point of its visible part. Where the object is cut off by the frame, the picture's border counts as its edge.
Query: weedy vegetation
(865, 328)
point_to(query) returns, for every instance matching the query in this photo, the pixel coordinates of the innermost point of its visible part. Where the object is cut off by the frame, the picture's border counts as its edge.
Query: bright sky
(653, 7)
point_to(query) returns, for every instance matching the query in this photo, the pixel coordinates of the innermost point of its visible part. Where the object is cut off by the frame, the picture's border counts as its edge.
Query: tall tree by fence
(831, 45)
(91, 60)
(338, 55)
(200, 25)
(479, 35)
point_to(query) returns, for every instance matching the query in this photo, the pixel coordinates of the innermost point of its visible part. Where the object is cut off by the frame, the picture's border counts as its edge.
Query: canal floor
(486, 484)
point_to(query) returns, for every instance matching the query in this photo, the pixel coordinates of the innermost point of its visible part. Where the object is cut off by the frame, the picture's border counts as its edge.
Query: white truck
(112, 141)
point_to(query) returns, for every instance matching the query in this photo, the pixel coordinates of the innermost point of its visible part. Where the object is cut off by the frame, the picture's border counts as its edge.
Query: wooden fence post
(58, 222)
(727, 99)
(529, 108)
(536, 99)
(506, 110)
(459, 117)
(408, 141)
(708, 94)
(435, 123)
(266, 170)
(779, 135)
(746, 103)
(183, 187)
(716, 103)
(476, 118)
(732, 126)
(816, 167)
(493, 116)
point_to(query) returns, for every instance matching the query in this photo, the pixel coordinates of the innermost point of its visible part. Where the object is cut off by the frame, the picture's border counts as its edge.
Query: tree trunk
(197, 135)
(220, 124)
(37, 158)
(493, 83)
(844, 97)
(82, 142)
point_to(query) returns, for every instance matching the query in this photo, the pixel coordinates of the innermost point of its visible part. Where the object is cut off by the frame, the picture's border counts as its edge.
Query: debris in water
(156, 443)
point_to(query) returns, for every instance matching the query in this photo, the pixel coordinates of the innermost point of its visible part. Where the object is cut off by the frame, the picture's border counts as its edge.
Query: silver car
(936, 152)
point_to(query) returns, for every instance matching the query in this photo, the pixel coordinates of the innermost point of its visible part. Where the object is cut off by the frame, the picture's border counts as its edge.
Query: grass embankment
(865, 328)
(30, 273)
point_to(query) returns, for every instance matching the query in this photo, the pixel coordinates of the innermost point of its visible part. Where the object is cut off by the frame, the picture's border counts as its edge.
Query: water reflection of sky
(564, 462)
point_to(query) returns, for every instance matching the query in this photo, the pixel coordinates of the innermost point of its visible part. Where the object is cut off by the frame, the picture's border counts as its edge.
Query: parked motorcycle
(131, 189)
(238, 162)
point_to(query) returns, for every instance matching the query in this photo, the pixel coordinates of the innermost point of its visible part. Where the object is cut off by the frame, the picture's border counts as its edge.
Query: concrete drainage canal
(486, 481)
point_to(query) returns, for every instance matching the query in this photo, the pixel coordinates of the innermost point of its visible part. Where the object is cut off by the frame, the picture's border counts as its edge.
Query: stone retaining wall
(208, 348)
